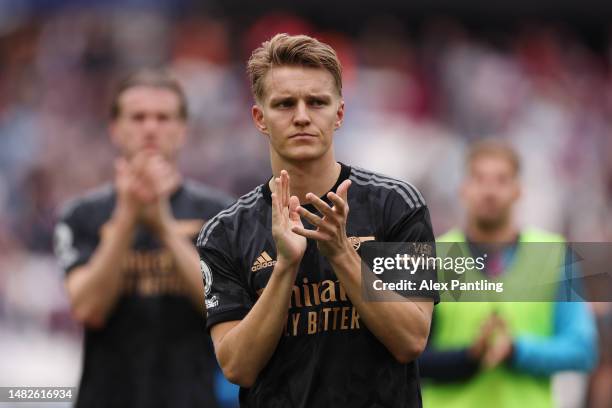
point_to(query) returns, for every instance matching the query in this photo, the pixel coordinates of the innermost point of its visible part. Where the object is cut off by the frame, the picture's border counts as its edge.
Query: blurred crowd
(428, 91)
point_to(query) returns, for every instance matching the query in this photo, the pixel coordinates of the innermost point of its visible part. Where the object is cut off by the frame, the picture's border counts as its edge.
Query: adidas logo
(263, 261)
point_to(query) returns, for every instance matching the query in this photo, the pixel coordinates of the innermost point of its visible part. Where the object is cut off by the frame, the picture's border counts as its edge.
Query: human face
(299, 112)
(490, 191)
(149, 120)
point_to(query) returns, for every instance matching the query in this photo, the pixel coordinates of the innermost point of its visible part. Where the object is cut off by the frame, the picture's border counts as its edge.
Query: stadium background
(422, 80)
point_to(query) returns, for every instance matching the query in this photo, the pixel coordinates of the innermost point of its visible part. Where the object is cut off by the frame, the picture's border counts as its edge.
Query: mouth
(301, 135)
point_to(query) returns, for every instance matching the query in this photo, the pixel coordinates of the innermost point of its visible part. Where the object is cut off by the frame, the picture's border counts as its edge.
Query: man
(503, 354)
(283, 275)
(132, 269)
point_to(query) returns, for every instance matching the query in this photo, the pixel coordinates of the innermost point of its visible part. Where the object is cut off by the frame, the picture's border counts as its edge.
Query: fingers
(294, 203)
(340, 205)
(311, 234)
(320, 205)
(277, 194)
(278, 189)
(313, 219)
(342, 190)
(138, 164)
(152, 177)
(163, 178)
(498, 353)
(280, 211)
(283, 192)
(325, 230)
(496, 342)
(281, 189)
(488, 328)
(289, 207)
(333, 220)
(501, 323)
(285, 187)
(339, 199)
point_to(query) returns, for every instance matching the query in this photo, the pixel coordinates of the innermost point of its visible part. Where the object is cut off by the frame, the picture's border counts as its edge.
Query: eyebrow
(323, 96)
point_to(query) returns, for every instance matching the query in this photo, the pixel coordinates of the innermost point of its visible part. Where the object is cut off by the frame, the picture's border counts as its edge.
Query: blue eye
(318, 102)
(285, 104)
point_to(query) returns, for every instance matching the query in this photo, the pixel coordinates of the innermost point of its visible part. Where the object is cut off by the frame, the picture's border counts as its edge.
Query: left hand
(330, 232)
(501, 347)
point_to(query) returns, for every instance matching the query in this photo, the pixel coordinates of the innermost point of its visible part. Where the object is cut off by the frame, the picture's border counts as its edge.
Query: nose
(150, 131)
(301, 117)
(150, 124)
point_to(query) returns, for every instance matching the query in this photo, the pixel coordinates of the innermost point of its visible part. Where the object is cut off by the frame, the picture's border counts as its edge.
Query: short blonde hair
(288, 50)
(155, 78)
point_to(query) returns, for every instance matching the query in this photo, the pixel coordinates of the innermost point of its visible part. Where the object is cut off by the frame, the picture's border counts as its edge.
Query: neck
(316, 176)
(504, 233)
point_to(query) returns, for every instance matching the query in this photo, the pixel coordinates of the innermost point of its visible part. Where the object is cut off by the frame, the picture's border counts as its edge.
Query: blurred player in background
(502, 354)
(132, 271)
(283, 275)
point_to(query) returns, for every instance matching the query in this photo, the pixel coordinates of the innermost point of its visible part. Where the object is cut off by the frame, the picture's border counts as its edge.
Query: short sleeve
(226, 293)
(73, 242)
(409, 221)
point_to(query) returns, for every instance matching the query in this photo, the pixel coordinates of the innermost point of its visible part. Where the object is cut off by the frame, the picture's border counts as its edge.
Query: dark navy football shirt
(326, 357)
(153, 350)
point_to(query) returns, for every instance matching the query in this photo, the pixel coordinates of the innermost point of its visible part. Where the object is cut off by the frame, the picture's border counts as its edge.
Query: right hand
(290, 247)
(132, 191)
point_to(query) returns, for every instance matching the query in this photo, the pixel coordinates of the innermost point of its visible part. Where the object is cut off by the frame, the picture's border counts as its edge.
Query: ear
(258, 118)
(339, 115)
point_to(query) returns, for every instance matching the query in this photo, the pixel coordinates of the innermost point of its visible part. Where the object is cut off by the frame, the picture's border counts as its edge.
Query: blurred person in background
(600, 392)
(283, 276)
(132, 271)
(502, 354)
